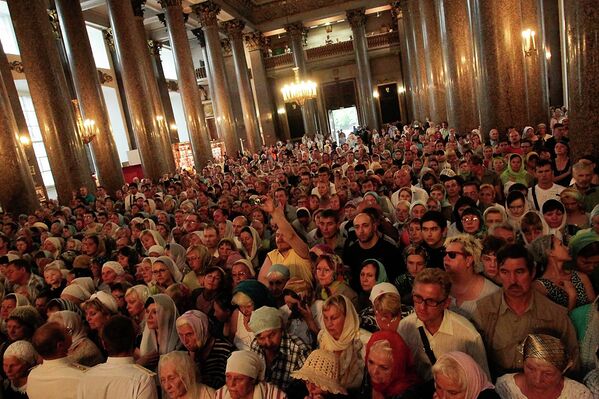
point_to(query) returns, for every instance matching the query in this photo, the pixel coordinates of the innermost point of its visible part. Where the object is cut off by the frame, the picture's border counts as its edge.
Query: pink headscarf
(477, 380)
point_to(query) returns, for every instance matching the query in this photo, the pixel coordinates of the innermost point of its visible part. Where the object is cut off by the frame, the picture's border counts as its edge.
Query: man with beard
(327, 232)
(370, 245)
(506, 317)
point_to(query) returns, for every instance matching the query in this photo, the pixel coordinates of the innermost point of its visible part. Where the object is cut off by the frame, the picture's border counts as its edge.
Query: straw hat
(322, 369)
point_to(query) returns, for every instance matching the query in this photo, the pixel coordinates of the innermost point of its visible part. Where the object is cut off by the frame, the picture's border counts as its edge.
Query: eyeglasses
(453, 254)
(430, 302)
(159, 271)
(468, 219)
(240, 274)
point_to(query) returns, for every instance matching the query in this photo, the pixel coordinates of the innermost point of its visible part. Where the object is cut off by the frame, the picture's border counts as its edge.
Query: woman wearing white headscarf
(208, 352)
(160, 334)
(178, 378)
(82, 349)
(341, 335)
(19, 358)
(245, 372)
(165, 272)
(251, 244)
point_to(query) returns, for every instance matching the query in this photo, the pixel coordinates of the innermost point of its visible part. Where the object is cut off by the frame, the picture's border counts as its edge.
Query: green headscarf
(509, 175)
(382, 272)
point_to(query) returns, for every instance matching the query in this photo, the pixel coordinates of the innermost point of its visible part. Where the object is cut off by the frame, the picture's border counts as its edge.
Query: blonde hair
(382, 346)
(388, 302)
(241, 299)
(451, 369)
(470, 244)
(335, 300)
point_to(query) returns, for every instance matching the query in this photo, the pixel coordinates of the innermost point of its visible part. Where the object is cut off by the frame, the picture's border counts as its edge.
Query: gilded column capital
(396, 10)
(109, 38)
(53, 16)
(199, 34)
(207, 12)
(234, 28)
(170, 3)
(16, 66)
(103, 77)
(296, 30)
(256, 41)
(138, 7)
(356, 17)
(226, 46)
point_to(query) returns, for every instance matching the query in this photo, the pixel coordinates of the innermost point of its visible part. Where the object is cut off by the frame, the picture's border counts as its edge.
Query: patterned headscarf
(547, 348)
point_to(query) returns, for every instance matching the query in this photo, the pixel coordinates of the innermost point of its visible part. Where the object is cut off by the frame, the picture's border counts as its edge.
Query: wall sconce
(281, 111)
(548, 54)
(401, 90)
(375, 93)
(530, 46)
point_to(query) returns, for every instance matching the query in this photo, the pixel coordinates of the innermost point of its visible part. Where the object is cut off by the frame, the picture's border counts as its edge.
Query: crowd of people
(409, 262)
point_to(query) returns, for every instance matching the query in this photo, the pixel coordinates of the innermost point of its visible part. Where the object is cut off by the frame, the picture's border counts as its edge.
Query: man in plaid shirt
(282, 353)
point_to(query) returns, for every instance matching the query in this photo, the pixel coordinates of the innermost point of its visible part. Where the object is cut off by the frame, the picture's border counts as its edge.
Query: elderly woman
(545, 362)
(82, 350)
(327, 276)
(341, 336)
(245, 379)
(458, 376)
(178, 378)
(136, 298)
(567, 288)
(242, 269)
(391, 373)
(19, 358)
(209, 353)
(198, 259)
(320, 373)
(165, 272)
(248, 296)
(160, 334)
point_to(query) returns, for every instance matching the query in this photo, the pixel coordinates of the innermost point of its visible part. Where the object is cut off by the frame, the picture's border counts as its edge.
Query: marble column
(369, 112)
(296, 32)
(121, 95)
(234, 29)
(129, 45)
(23, 129)
(511, 88)
(188, 84)
(403, 79)
(169, 115)
(257, 44)
(459, 70)
(145, 62)
(48, 89)
(225, 124)
(413, 57)
(431, 49)
(582, 33)
(18, 188)
(89, 92)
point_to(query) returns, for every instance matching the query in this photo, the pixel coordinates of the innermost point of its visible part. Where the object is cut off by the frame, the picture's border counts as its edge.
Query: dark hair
(329, 213)
(516, 251)
(513, 196)
(21, 264)
(591, 249)
(552, 205)
(360, 167)
(542, 162)
(492, 245)
(375, 264)
(46, 337)
(118, 335)
(434, 216)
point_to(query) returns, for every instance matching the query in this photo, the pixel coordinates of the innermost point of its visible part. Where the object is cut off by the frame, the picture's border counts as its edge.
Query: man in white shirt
(433, 329)
(119, 377)
(545, 189)
(57, 377)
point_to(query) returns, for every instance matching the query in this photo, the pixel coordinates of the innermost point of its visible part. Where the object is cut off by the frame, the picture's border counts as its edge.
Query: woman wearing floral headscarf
(545, 362)
(341, 336)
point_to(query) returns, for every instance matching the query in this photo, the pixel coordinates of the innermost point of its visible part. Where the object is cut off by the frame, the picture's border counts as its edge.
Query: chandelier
(299, 91)
(86, 127)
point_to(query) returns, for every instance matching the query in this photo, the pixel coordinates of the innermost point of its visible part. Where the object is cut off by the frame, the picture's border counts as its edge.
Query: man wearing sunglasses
(433, 329)
(506, 317)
